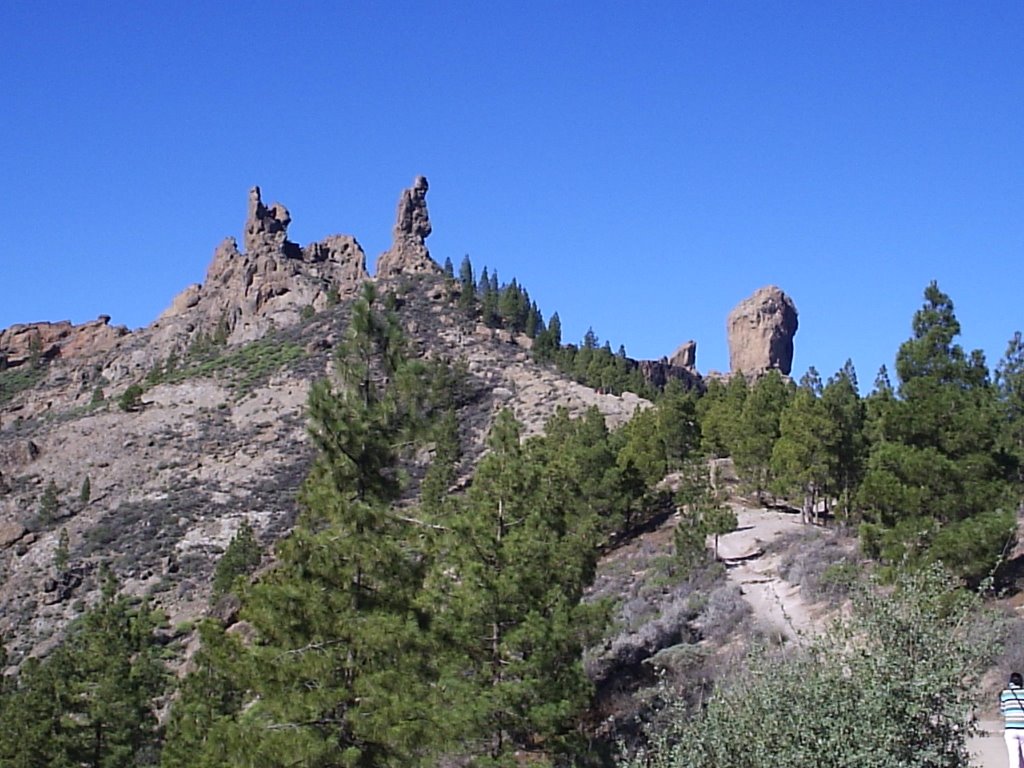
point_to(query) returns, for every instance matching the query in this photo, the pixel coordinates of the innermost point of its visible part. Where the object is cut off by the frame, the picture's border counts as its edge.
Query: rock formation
(47, 341)
(760, 331)
(408, 253)
(685, 356)
(658, 373)
(266, 229)
(272, 281)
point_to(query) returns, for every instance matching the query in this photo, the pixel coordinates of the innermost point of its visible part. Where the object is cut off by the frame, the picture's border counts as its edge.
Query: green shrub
(894, 685)
(131, 398)
(15, 380)
(240, 559)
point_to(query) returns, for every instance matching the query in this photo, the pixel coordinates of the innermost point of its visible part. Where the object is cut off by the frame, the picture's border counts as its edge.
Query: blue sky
(639, 166)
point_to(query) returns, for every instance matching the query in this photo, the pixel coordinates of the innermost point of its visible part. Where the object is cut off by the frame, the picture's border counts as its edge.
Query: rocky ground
(779, 607)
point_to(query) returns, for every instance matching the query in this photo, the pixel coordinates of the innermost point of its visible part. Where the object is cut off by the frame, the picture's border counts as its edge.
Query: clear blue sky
(639, 166)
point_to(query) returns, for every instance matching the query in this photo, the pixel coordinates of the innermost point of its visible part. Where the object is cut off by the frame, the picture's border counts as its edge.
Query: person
(1011, 705)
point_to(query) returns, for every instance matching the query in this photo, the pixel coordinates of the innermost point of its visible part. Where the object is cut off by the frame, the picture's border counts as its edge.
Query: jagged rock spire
(408, 253)
(265, 228)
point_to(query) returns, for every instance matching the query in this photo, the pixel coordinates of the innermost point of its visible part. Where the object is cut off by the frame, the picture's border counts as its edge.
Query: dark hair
(1016, 679)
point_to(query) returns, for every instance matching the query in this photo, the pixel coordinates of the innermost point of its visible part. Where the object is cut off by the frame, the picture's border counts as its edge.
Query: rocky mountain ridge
(218, 437)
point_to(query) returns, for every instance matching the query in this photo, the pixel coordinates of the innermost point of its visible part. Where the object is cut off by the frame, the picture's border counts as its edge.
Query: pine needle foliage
(90, 702)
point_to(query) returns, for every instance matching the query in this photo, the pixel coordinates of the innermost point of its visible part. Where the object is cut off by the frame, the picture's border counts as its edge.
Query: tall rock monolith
(760, 330)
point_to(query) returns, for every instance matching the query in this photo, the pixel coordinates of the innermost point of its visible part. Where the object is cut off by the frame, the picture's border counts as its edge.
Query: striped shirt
(1011, 704)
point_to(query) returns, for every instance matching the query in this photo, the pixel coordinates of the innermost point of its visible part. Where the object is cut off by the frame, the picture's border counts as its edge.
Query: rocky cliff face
(32, 342)
(760, 330)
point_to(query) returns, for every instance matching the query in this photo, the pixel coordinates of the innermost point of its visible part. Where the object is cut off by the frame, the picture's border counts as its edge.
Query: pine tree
(49, 503)
(803, 458)
(644, 448)
(467, 296)
(90, 703)
(935, 482)
(758, 430)
(514, 568)
(1010, 386)
(440, 476)
(678, 425)
(847, 414)
(62, 553)
(719, 414)
(342, 670)
(242, 556)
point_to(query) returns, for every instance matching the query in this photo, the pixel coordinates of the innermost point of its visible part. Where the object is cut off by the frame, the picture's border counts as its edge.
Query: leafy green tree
(701, 513)
(847, 413)
(467, 296)
(548, 342)
(49, 503)
(804, 458)
(62, 554)
(441, 474)
(586, 454)
(35, 350)
(513, 307)
(534, 321)
(209, 699)
(644, 448)
(341, 674)
(678, 424)
(242, 556)
(1010, 386)
(718, 412)
(895, 684)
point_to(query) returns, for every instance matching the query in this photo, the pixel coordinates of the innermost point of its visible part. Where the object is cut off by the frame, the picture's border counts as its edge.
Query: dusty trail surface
(777, 605)
(780, 608)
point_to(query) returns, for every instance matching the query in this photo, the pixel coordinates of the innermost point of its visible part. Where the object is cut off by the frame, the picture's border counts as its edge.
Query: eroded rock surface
(271, 283)
(760, 331)
(408, 253)
(685, 356)
(26, 342)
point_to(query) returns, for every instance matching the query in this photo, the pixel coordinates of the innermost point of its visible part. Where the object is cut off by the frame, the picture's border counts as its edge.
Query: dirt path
(778, 606)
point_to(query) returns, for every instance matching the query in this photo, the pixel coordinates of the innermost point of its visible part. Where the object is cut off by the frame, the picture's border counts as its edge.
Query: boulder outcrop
(685, 356)
(408, 253)
(658, 373)
(25, 342)
(760, 330)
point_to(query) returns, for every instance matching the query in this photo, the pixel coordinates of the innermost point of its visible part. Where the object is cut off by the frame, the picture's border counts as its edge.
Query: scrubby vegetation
(16, 380)
(896, 684)
(243, 367)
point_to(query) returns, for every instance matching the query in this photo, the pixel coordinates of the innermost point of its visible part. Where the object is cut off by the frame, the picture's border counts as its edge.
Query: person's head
(1017, 679)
